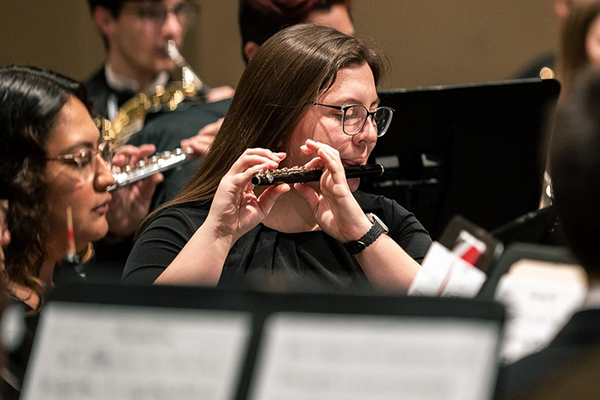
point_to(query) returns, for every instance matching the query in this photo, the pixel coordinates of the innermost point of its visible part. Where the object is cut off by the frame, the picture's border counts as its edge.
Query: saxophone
(131, 116)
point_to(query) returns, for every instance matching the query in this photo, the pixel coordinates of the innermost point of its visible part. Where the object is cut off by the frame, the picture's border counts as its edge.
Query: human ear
(104, 20)
(250, 50)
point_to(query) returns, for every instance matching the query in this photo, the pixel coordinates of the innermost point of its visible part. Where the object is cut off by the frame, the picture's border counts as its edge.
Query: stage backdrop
(429, 42)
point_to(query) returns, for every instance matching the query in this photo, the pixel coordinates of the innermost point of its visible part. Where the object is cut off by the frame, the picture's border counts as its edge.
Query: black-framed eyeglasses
(354, 118)
(156, 14)
(86, 161)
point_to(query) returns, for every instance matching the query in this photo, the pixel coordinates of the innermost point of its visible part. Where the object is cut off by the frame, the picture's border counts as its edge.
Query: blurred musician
(135, 34)
(544, 66)
(572, 357)
(580, 42)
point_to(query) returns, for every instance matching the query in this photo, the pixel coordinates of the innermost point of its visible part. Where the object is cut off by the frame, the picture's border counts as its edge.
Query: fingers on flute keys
(254, 160)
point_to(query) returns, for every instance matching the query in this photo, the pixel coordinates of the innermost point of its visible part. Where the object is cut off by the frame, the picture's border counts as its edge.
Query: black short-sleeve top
(264, 257)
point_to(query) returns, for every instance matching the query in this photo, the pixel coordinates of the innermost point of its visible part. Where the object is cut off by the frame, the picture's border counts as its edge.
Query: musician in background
(575, 169)
(261, 19)
(545, 65)
(53, 161)
(53, 158)
(580, 42)
(307, 98)
(135, 34)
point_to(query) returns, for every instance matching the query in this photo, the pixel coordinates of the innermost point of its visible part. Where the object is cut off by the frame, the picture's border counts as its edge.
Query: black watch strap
(356, 246)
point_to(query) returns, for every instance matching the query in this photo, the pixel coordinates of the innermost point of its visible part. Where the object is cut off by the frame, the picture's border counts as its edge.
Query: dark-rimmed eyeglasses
(156, 14)
(85, 160)
(354, 118)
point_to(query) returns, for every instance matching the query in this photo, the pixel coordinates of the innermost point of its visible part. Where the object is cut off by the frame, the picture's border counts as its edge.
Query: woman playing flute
(307, 98)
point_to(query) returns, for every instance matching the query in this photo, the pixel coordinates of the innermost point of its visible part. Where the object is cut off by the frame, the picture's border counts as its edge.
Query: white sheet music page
(89, 352)
(540, 298)
(443, 273)
(335, 357)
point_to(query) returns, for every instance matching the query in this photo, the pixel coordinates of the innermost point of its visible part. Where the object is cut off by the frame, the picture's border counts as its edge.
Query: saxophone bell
(190, 80)
(132, 115)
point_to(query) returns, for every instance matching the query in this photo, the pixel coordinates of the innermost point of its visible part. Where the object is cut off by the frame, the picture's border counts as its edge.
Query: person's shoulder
(167, 129)
(191, 112)
(378, 204)
(190, 210)
(183, 218)
(396, 217)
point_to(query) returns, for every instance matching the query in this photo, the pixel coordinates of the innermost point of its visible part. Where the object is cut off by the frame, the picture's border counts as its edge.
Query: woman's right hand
(236, 209)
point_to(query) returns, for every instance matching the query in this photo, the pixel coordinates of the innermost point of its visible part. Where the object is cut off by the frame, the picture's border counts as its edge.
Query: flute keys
(269, 176)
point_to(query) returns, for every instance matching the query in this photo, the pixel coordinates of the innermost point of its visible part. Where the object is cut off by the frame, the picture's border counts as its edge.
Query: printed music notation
(129, 353)
(346, 358)
(540, 298)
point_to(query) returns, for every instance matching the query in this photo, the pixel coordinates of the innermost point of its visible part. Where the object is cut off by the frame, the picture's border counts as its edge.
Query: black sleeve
(408, 232)
(404, 227)
(159, 243)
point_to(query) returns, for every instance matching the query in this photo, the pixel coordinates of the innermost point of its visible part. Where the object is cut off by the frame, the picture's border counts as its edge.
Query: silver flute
(301, 174)
(153, 165)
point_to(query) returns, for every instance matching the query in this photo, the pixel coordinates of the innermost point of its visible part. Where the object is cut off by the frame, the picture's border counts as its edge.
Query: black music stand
(473, 150)
(94, 318)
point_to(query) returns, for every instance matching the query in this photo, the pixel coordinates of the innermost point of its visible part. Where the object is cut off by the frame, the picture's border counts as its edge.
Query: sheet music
(540, 298)
(443, 273)
(89, 352)
(333, 357)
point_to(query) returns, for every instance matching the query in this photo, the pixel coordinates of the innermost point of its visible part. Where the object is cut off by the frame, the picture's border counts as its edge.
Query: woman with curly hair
(52, 160)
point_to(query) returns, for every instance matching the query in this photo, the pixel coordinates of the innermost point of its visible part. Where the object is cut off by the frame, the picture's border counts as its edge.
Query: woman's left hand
(335, 209)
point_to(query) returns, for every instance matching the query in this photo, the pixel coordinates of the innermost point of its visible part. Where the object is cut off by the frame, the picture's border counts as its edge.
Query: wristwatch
(356, 246)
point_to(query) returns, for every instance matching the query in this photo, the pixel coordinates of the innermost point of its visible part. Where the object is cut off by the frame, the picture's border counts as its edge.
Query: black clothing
(573, 342)
(17, 358)
(99, 91)
(306, 260)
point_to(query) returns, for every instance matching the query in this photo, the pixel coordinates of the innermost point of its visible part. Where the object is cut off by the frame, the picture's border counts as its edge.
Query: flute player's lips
(354, 162)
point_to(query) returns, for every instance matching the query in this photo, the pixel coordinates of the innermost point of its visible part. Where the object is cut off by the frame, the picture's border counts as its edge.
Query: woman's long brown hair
(280, 83)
